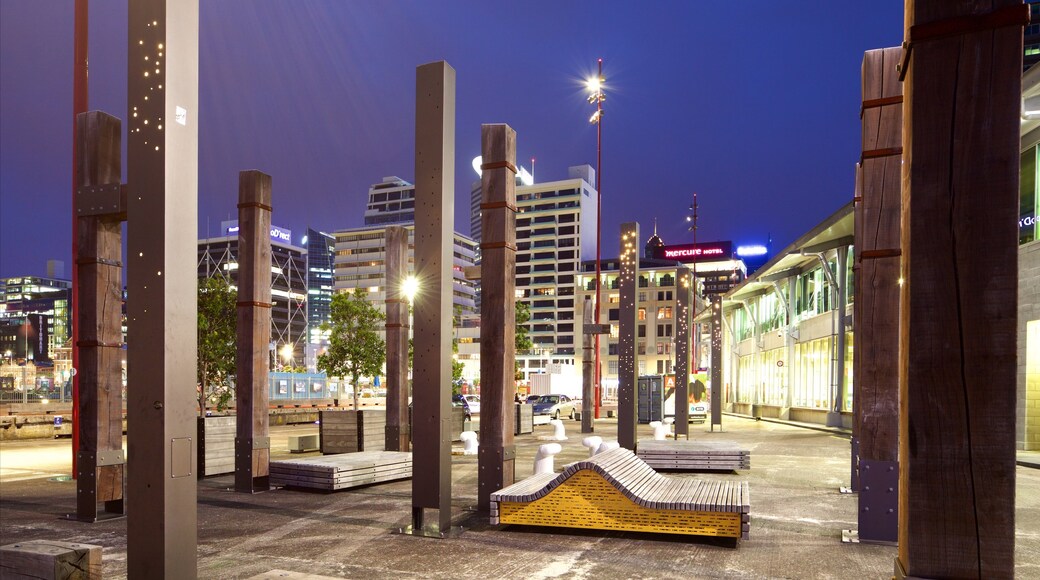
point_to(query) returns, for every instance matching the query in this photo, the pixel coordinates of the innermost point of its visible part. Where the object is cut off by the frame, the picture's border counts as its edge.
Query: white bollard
(543, 460)
(559, 432)
(592, 442)
(607, 446)
(669, 423)
(659, 430)
(469, 442)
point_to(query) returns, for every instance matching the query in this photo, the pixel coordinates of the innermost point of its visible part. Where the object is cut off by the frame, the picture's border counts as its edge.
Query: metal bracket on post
(878, 505)
(854, 477)
(879, 502)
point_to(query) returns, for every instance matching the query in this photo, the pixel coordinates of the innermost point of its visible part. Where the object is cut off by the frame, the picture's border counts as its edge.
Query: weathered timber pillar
(434, 235)
(683, 286)
(162, 235)
(876, 332)
(716, 361)
(253, 441)
(628, 368)
(100, 209)
(957, 352)
(497, 454)
(396, 339)
(588, 362)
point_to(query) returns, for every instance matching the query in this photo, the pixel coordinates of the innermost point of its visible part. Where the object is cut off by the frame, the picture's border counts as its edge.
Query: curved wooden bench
(616, 490)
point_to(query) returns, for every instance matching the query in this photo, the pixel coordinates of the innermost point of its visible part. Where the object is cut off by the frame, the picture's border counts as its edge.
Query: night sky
(753, 105)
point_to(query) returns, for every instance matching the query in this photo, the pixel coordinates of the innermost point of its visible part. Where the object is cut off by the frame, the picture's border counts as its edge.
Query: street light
(410, 288)
(596, 97)
(287, 353)
(692, 219)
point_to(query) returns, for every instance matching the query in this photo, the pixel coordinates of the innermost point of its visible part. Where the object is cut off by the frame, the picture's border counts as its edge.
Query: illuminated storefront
(783, 356)
(1028, 383)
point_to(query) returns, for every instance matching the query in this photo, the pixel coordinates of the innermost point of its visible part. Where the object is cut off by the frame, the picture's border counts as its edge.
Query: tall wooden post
(434, 237)
(496, 454)
(588, 374)
(876, 364)
(396, 339)
(162, 235)
(683, 287)
(628, 368)
(100, 209)
(253, 441)
(958, 300)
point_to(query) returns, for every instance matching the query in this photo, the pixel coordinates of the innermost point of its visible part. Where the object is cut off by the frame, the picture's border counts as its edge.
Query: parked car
(531, 399)
(555, 406)
(474, 403)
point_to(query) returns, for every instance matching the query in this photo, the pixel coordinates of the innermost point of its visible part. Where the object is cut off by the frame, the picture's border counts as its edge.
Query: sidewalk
(797, 516)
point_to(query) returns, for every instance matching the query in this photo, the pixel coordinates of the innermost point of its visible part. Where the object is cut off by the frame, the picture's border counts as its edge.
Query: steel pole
(599, 221)
(79, 105)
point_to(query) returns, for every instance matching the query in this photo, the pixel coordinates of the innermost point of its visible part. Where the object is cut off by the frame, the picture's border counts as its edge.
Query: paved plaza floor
(797, 515)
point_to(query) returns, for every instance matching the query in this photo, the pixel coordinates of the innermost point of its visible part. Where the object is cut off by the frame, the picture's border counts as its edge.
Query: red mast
(79, 105)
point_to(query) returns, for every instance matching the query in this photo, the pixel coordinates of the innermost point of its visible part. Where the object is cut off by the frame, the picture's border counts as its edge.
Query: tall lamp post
(693, 314)
(597, 97)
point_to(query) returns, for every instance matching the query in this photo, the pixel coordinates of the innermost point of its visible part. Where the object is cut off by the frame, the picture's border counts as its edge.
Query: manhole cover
(61, 478)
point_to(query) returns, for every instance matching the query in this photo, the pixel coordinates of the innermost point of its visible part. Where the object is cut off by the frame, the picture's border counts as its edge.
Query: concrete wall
(1028, 377)
(41, 426)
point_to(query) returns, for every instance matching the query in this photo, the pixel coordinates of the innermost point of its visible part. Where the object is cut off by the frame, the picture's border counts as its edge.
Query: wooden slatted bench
(618, 491)
(346, 470)
(694, 455)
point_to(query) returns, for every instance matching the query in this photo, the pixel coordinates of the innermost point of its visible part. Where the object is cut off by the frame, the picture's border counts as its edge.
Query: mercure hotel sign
(696, 252)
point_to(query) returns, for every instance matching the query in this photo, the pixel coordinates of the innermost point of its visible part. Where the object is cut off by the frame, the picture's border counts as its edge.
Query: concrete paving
(797, 516)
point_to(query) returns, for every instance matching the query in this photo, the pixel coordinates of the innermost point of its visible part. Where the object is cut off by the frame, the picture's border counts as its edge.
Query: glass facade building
(321, 254)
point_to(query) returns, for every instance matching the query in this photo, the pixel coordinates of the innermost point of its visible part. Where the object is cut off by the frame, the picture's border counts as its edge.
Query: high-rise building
(555, 232)
(321, 253)
(219, 257)
(35, 316)
(391, 201)
(360, 262)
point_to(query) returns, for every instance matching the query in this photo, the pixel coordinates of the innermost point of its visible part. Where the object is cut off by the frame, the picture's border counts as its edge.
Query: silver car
(555, 406)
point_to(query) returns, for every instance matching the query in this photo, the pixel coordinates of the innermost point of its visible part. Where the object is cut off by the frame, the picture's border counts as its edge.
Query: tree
(355, 349)
(217, 337)
(521, 342)
(456, 365)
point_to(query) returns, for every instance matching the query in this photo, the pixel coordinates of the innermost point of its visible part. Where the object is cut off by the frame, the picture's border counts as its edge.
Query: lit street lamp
(410, 288)
(692, 219)
(287, 354)
(596, 97)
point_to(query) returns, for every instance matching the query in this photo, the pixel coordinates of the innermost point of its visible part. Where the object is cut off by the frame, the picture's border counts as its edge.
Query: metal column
(434, 237)
(716, 361)
(162, 173)
(628, 368)
(683, 284)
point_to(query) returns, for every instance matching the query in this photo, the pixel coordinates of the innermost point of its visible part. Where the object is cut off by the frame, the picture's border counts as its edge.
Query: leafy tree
(217, 336)
(355, 349)
(456, 365)
(522, 342)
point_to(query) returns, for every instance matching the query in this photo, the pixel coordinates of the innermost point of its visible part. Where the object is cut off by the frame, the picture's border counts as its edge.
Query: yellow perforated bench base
(586, 500)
